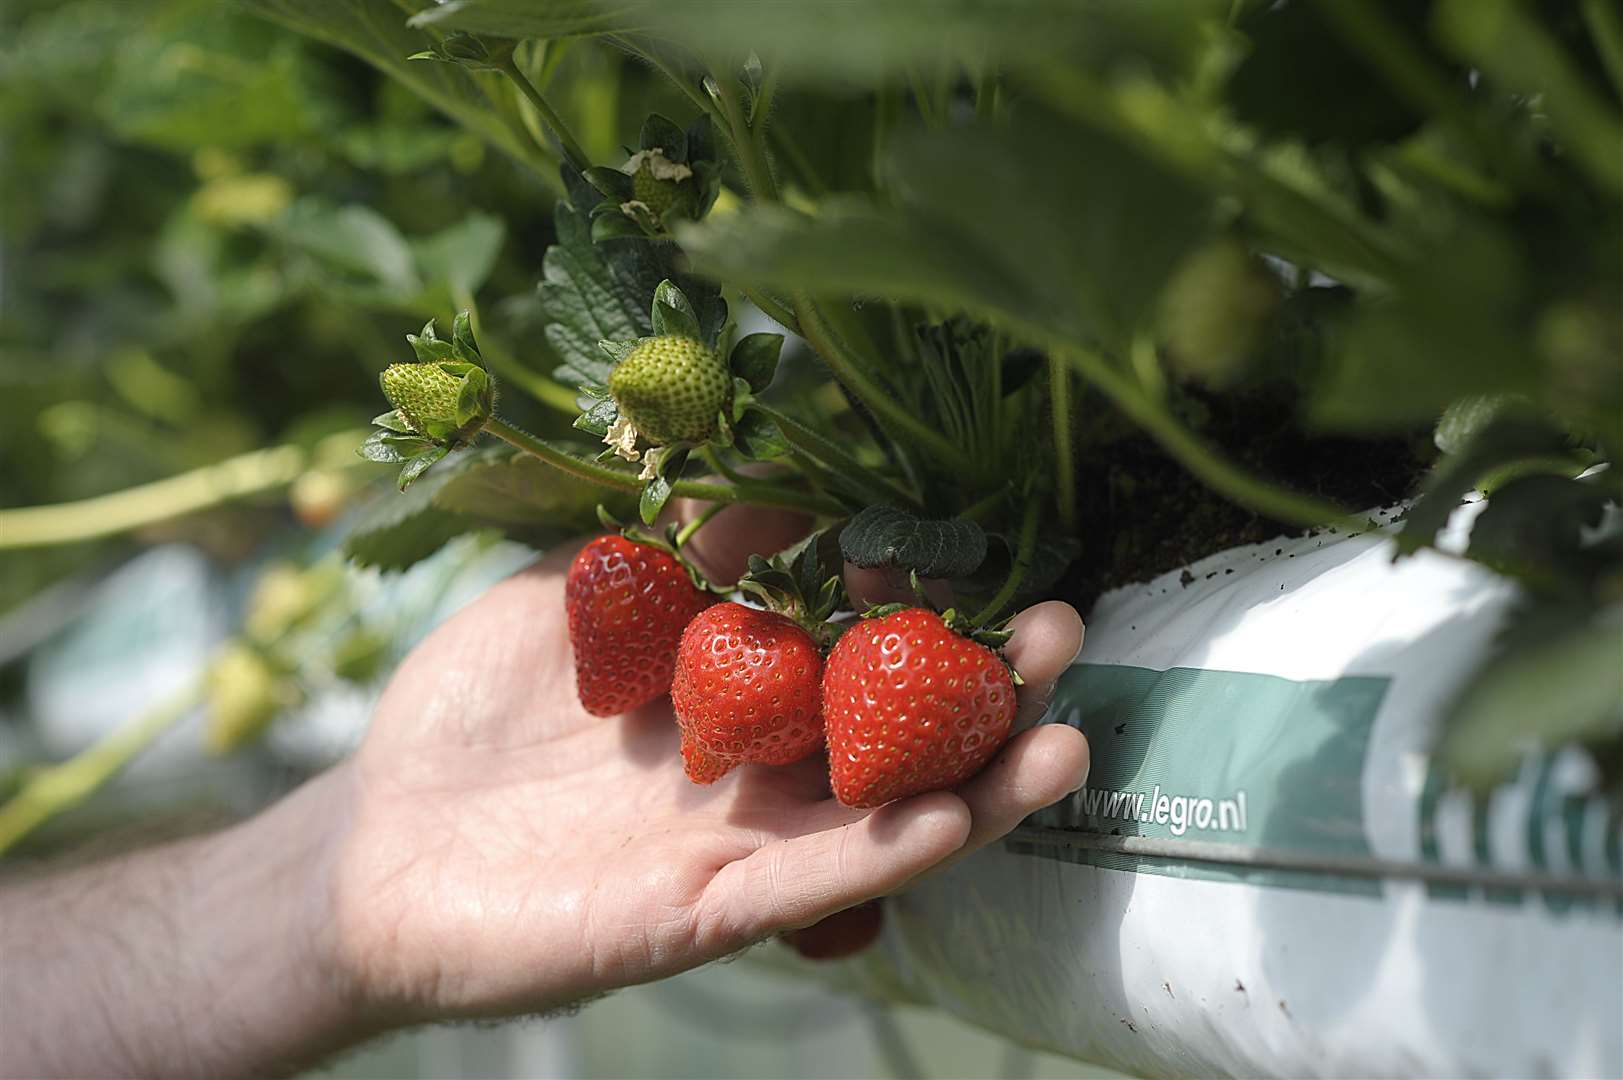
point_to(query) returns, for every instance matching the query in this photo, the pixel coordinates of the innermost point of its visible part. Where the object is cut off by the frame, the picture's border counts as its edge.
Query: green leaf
(614, 184)
(1464, 419)
(889, 537)
(391, 448)
(462, 255)
(527, 18)
(658, 133)
(525, 498)
(357, 249)
(599, 417)
(585, 303)
(1450, 327)
(467, 349)
(657, 492)
(1563, 686)
(470, 398)
(1507, 438)
(375, 31)
(868, 42)
(755, 359)
(757, 438)
(612, 224)
(419, 464)
(399, 530)
(673, 314)
(429, 348)
(1534, 527)
(393, 421)
(1040, 224)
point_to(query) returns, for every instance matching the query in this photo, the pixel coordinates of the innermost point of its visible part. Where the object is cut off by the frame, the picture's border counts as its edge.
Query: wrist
(255, 934)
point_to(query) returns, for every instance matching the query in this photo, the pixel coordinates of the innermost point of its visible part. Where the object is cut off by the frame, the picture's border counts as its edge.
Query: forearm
(207, 957)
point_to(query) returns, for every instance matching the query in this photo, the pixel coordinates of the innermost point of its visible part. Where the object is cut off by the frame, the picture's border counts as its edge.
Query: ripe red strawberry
(911, 706)
(844, 933)
(627, 605)
(745, 691)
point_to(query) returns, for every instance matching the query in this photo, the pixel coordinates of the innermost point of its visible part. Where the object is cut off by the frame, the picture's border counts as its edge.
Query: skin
(490, 850)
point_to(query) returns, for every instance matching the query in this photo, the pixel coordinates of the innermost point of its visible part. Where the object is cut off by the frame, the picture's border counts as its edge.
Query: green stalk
(554, 123)
(699, 99)
(986, 94)
(55, 789)
(146, 504)
(849, 371)
(789, 150)
(834, 459)
(745, 146)
(1059, 394)
(982, 507)
(1606, 31)
(685, 533)
(546, 391)
(720, 467)
(772, 309)
(751, 493)
(1017, 571)
(1205, 461)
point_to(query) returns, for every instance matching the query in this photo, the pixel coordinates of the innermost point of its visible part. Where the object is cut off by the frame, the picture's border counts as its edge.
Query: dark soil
(1142, 514)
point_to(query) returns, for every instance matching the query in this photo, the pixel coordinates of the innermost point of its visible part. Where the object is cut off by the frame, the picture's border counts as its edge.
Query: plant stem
(720, 467)
(1606, 30)
(1059, 395)
(772, 309)
(986, 94)
(748, 150)
(752, 493)
(54, 789)
(546, 391)
(698, 97)
(789, 150)
(885, 408)
(836, 460)
(685, 533)
(145, 504)
(554, 123)
(980, 508)
(1017, 570)
(1200, 458)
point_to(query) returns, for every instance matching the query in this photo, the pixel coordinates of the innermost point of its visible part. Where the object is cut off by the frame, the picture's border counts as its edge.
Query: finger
(869, 588)
(722, 547)
(1036, 768)
(1047, 637)
(794, 882)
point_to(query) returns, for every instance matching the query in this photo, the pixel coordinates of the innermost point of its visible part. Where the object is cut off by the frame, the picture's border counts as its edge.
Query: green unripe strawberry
(671, 388)
(424, 393)
(1216, 305)
(446, 402)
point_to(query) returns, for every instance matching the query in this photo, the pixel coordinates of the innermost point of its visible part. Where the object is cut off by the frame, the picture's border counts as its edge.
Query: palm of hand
(507, 851)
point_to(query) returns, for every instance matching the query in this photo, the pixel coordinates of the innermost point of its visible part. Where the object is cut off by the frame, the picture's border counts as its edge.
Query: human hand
(504, 851)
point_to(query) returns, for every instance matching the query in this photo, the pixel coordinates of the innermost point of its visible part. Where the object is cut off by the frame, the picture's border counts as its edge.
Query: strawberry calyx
(802, 583)
(670, 540)
(993, 635)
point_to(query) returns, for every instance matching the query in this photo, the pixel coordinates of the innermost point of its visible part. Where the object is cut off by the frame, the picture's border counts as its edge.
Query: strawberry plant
(1087, 293)
(1029, 299)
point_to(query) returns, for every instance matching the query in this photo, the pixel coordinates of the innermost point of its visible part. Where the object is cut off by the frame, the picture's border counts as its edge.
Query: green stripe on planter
(1232, 757)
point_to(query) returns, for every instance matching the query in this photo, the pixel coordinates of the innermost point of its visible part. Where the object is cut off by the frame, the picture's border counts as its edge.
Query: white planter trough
(1265, 874)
